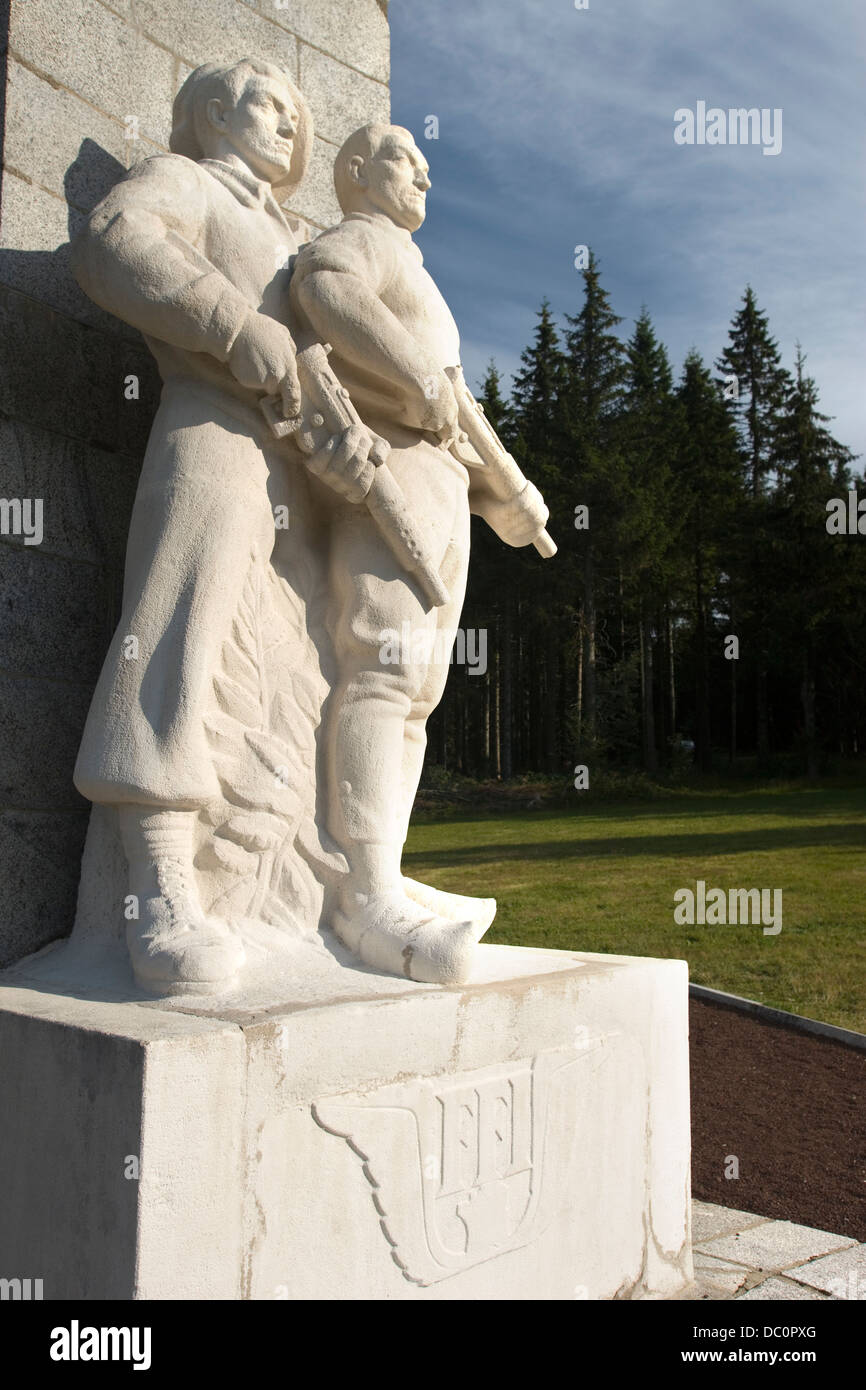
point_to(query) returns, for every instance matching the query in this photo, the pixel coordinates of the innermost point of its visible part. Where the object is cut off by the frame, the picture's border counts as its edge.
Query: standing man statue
(363, 288)
(192, 249)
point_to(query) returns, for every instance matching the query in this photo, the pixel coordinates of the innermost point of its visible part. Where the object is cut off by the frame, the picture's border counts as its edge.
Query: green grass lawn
(602, 877)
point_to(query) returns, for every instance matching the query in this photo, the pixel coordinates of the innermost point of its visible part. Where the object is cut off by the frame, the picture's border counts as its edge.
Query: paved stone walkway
(739, 1255)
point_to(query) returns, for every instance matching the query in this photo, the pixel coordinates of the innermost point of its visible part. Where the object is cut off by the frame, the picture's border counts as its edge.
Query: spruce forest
(705, 610)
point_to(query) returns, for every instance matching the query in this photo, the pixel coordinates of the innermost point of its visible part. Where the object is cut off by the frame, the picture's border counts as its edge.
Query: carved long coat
(183, 251)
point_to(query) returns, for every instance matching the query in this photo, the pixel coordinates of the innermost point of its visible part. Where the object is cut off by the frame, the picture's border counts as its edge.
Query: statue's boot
(174, 947)
(396, 935)
(455, 906)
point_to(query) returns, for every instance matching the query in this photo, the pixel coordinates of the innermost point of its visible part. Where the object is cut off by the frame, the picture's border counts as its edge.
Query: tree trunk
(732, 747)
(551, 704)
(672, 676)
(507, 692)
(650, 756)
(590, 705)
(762, 713)
(486, 723)
(497, 720)
(703, 750)
(579, 703)
(807, 697)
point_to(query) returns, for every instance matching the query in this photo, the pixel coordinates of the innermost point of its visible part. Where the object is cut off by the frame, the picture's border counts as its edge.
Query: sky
(556, 130)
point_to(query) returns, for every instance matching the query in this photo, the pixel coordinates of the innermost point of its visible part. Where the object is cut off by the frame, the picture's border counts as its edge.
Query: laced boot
(174, 947)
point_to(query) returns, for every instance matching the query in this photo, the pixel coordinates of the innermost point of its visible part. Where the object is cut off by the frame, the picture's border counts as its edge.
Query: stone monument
(256, 991)
(194, 719)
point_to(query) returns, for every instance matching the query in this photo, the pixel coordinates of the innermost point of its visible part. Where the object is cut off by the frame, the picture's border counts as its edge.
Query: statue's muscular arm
(336, 286)
(137, 257)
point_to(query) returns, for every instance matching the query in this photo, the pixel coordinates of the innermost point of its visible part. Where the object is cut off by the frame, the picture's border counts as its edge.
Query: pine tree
(537, 629)
(647, 533)
(708, 489)
(496, 408)
(814, 604)
(595, 377)
(752, 358)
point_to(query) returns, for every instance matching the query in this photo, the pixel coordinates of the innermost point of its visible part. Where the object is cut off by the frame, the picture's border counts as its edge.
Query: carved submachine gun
(502, 476)
(326, 412)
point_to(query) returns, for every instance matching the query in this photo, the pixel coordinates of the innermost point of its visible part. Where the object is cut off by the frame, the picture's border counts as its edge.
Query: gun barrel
(505, 475)
(332, 413)
(545, 545)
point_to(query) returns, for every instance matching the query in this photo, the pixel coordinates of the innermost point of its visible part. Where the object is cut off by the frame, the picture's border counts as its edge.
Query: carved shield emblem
(458, 1165)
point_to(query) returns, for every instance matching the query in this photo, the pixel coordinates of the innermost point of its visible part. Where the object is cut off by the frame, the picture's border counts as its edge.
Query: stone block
(101, 56)
(41, 853)
(340, 98)
(70, 377)
(87, 492)
(316, 199)
(55, 622)
(220, 31)
(353, 31)
(37, 228)
(124, 1149)
(41, 722)
(62, 143)
(339, 1134)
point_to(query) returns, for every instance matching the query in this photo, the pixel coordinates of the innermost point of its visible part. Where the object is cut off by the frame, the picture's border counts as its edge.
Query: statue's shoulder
(356, 245)
(169, 170)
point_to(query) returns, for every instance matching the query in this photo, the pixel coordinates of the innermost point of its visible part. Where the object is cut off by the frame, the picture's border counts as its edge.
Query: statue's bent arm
(137, 258)
(346, 312)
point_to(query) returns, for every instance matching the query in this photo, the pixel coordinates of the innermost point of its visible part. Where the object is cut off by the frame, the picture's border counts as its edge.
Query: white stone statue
(261, 757)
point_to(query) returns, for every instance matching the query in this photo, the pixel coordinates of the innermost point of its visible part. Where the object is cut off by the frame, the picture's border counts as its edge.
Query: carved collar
(400, 234)
(248, 190)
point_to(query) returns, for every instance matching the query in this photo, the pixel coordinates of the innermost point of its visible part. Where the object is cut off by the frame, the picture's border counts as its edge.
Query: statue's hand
(436, 408)
(517, 520)
(348, 461)
(263, 358)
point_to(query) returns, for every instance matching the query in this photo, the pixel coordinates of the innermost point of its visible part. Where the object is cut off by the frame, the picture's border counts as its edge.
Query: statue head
(381, 170)
(249, 112)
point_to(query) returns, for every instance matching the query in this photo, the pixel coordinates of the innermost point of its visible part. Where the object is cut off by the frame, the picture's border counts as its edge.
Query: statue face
(395, 180)
(261, 128)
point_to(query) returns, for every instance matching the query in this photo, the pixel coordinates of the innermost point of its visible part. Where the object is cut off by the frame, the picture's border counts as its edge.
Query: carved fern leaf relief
(268, 697)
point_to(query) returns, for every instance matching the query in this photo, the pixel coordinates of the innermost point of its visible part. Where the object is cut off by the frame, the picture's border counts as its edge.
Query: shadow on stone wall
(69, 437)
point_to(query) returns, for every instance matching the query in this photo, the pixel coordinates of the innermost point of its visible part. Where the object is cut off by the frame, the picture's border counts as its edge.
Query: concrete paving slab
(843, 1275)
(723, 1276)
(775, 1245)
(777, 1289)
(710, 1221)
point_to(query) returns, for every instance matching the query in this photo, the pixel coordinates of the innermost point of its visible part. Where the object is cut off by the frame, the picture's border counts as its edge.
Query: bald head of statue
(380, 171)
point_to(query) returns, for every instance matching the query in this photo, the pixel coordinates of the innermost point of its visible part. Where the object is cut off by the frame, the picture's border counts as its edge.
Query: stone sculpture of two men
(193, 248)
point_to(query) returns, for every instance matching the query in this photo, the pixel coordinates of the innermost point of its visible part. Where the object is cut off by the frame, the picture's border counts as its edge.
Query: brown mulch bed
(791, 1107)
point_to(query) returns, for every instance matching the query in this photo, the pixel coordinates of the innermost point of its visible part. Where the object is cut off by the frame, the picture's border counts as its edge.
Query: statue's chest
(251, 247)
(414, 298)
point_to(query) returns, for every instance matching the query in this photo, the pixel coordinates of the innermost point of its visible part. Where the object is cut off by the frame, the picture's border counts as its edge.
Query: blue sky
(556, 129)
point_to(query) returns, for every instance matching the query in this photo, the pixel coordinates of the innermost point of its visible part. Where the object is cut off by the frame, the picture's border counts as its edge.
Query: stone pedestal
(338, 1134)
